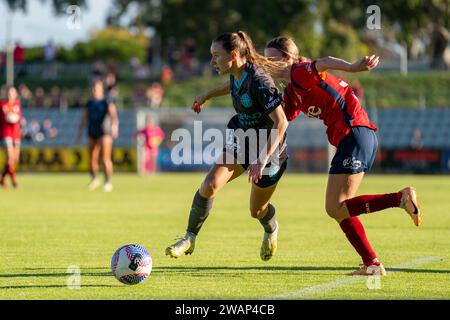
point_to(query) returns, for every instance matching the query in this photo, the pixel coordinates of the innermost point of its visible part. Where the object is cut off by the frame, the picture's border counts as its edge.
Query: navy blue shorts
(356, 152)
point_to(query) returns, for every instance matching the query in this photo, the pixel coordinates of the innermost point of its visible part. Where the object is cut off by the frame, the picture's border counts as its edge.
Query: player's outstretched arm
(83, 122)
(366, 63)
(218, 91)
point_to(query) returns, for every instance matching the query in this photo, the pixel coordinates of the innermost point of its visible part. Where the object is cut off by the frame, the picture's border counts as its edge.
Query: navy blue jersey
(98, 119)
(254, 96)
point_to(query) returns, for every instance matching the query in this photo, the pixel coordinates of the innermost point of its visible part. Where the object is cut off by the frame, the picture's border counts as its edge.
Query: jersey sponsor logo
(314, 112)
(352, 163)
(273, 102)
(249, 119)
(343, 84)
(246, 101)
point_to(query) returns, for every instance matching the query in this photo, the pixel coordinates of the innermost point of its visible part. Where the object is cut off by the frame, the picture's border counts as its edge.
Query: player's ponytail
(287, 47)
(243, 44)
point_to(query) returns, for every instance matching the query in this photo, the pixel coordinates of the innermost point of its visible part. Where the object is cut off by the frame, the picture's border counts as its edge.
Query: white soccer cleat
(108, 187)
(410, 205)
(184, 245)
(269, 244)
(94, 184)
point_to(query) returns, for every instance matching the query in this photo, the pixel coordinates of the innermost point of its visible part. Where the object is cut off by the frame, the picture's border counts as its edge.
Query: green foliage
(34, 54)
(111, 44)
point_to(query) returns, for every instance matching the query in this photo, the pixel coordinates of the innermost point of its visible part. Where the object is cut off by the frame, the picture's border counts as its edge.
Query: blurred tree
(111, 44)
(407, 19)
(205, 20)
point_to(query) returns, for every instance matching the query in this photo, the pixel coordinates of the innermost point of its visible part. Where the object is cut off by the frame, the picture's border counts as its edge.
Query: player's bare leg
(94, 152)
(15, 161)
(340, 188)
(261, 209)
(8, 149)
(106, 148)
(216, 178)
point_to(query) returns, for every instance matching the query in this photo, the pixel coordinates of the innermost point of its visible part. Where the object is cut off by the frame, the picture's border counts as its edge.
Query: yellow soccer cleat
(372, 270)
(269, 244)
(185, 245)
(410, 205)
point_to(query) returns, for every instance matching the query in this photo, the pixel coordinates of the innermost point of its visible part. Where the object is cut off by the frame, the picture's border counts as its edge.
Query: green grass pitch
(52, 222)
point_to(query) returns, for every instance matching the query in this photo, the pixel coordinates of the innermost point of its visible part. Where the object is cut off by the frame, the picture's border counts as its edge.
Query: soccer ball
(131, 264)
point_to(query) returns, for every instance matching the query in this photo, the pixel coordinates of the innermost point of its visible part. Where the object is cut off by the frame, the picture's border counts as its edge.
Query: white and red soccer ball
(131, 264)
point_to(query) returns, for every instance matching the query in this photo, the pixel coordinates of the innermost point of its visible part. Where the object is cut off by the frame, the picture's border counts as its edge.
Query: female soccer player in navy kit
(258, 105)
(100, 115)
(323, 96)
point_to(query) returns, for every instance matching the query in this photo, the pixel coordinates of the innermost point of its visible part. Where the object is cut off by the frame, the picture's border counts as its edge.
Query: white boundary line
(342, 281)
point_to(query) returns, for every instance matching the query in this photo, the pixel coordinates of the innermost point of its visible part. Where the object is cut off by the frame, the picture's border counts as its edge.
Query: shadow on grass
(58, 286)
(312, 268)
(57, 274)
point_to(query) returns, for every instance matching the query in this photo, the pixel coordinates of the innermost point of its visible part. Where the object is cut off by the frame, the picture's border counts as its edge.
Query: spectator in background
(48, 130)
(173, 53)
(55, 97)
(24, 134)
(416, 139)
(97, 71)
(39, 98)
(34, 130)
(110, 84)
(2, 60)
(25, 95)
(50, 52)
(153, 136)
(166, 75)
(77, 99)
(155, 94)
(19, 59)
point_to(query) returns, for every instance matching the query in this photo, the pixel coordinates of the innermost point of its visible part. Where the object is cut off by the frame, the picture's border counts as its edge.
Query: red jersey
(10, 119)
(325, 97)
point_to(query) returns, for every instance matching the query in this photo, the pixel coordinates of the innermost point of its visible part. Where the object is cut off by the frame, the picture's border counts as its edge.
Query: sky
(39, 24)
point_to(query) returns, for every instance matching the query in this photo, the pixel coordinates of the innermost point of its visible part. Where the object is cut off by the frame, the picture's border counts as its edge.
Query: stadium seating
(395, 126)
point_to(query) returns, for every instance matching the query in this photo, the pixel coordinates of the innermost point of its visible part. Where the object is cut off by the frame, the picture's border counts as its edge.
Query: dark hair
(243, 44)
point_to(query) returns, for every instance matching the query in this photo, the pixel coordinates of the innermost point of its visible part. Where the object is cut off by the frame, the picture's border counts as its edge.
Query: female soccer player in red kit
(10, 114)
(325, 97)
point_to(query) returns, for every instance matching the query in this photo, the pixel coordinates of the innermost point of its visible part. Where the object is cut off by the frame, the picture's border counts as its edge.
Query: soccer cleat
(14, 183)
(108, 187)
(371, 270)
(269, 244)
(94, 184)
(184, 245)
(410, 205)
(3, 184)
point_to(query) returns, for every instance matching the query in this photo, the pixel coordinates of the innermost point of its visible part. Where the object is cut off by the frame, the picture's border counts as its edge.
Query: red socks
(5, 171)
(356, 234)
(372, 203)
(8, 169)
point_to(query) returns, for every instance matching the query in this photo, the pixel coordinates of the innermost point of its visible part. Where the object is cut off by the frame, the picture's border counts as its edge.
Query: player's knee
(257, 212)
(334, 210)
(210, 186)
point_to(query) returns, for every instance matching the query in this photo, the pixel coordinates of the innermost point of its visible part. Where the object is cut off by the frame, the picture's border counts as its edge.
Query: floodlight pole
(9, 51)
